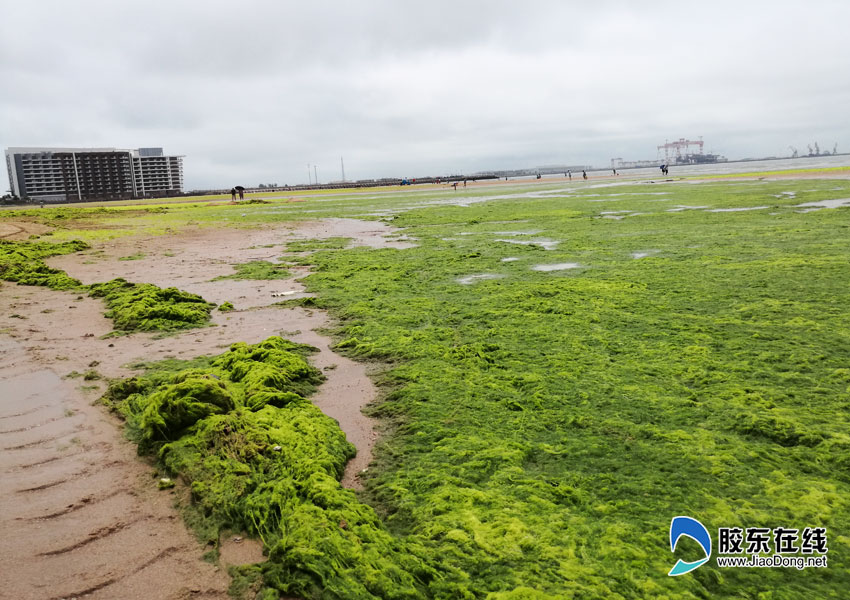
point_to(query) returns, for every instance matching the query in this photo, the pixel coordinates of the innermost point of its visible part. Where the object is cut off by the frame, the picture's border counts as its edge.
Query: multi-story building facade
(80, 174)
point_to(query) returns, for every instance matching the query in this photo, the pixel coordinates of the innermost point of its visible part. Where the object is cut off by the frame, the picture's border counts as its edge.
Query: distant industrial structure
(677, 152)
(83, 174)
(814, 152)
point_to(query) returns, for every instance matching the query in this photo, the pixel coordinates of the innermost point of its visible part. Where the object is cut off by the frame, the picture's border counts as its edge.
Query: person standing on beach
(233, 194)
(584, 174)
(570, 175)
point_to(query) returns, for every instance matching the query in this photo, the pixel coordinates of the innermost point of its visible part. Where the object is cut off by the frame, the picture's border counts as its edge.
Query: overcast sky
(252, 91)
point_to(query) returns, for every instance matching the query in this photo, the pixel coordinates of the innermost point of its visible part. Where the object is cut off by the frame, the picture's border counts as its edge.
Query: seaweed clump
(146, 307)
(258, 456)
(23, 263)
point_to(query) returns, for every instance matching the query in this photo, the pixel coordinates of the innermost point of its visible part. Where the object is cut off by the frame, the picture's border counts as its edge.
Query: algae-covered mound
(173, 396)
(146, 307)
(260, 457)
(271, 372)
(177, 406)
(23, 262)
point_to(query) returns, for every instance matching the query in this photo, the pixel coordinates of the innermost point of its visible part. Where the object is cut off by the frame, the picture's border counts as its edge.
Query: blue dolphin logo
(695, 530)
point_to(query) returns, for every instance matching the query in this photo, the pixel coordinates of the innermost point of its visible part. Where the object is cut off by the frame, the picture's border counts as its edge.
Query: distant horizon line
(522, 172)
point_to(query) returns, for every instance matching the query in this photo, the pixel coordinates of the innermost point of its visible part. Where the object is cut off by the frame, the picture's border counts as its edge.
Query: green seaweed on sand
(543, 427)
(146, 307)
(259, 457)
(136, 256)
(132, 306)
(23, 263)
(546, 426)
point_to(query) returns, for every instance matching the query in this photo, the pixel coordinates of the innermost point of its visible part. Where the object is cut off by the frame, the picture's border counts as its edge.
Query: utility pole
(308, 174)
(315, 176)
(342, 168)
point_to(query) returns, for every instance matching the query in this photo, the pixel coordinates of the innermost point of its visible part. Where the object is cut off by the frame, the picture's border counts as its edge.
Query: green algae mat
(568, 367)
(574, 367)
(132, 306)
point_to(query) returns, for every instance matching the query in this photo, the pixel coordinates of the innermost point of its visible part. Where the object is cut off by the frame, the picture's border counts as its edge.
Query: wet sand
(80, 513)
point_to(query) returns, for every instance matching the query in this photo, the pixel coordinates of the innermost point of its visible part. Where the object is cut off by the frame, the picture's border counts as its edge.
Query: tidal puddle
(543, 243)
(469, 279)
(556, 267)
(682, 207)
(837, 203)
(532, 232)
(644, 254)
(510, 259)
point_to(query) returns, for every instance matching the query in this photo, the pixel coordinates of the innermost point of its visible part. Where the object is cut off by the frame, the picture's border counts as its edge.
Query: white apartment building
(80, 174)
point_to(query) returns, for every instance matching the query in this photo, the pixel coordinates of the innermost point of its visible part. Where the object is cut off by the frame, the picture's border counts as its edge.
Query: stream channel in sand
(80, 514)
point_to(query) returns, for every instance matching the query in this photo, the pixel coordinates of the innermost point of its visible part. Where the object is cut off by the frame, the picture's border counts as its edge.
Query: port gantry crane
(673, 150)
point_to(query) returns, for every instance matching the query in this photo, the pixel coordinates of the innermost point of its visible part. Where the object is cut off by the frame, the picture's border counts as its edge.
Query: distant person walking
(233, 194)
(570, 175)
(241, 194)
(615, 171)
(584, 174)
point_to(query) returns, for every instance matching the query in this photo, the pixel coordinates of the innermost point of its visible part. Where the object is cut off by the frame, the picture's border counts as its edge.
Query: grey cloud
(252, 91)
